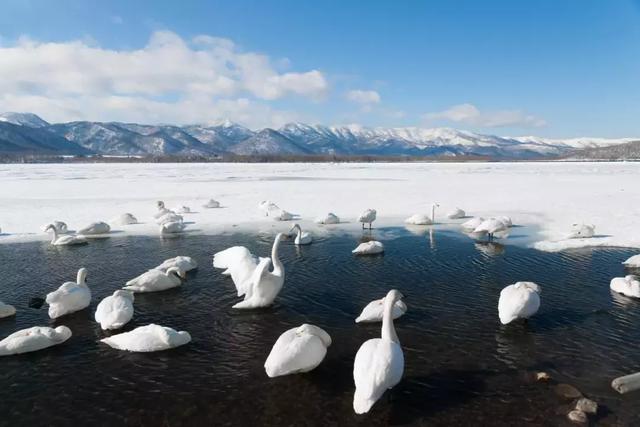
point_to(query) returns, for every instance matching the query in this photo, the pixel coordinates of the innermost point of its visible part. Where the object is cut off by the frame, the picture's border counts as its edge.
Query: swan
(632, 262)
(239, 263)
(182, 209)
(124, 219)
(579, 231)
(169, 217)
(95, 228)
(374, 310)
(60, 226)
(379, 363)
(281, 215)
(156, 280)
(518, 301)
(6, 310)
(297, 350)
(70, 296)
(419, 219)
(148, 338)
(506, 220)
(115, 311)
(66, 240)
(491, 226)
(184, 263)
(302, 237)
(628, 285)
(33, 339)
(472, 224)
(267, 206)
(172, 227)
(456, 213)
(263, 286)
(367, 217)
(211, 204)
(369, 248)
(329, 218)
(161, 210)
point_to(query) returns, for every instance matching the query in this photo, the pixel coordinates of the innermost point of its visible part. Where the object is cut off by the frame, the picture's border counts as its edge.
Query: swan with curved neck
(65, 240)
(433, 212)
(302, 237)
(70, 296)
(156, 280)
(379, 363)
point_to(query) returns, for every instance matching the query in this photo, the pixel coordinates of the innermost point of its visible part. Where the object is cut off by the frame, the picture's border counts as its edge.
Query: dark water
(462, 366)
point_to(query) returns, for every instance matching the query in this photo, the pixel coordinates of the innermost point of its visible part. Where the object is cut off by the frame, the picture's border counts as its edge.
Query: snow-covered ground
(544, 199)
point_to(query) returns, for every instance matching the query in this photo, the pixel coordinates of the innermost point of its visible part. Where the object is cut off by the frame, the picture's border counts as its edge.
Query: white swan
(182, 209)
(302, 237)
(69, 297)
(419, 219)
(155, 280)
(491, 226)
(60, 226)
(239, 263)
(115, 311)
(267, 206)
(6, 310)
(369, 248)
(281, 215)
(211, 204)
(148, 338)
(161, 210)
(172, 227)
(472, 224)
(124, 219)
(506, 220)
(379, 363)
(95, 228)
(632, 262)
(264, 285)
(628, 285)
(184, 263)
(456, 213)
(518, 301)
(579, 231)
(374, 310)
(367, 217)
(329, 218)
(297, 350)
(65, 240)
(33, 339)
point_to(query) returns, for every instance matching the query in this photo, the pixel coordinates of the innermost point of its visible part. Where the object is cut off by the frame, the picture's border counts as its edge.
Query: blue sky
(550, 68)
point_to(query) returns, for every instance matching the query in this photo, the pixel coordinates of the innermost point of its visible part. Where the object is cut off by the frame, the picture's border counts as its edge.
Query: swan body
(518, 301)
(69, 297)
(456, 213)
(329, 218)
(281, 215)
(369, 248)
(472, 224)
(211, 204)
(374, 310)
(172, 227)
(33, 339)
(491, 226)
(379, 363)
(184, 263)
(628, 285)
(182, 209)
(263, 286)
(367, 217)
(302, 237)
(95, 228)
(297, 350)
(579, 231)
(162, 210)
(419, 219)
(124, 219)
(65, 240)
(115, 311)
(6, 310)
(632, 262)
(148, 338)
(155, 281)
(60, 226)
(169, 217)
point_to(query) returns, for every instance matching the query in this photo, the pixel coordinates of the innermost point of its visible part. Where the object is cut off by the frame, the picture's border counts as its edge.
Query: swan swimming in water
(69, 297)
(6, 310)
(156, 280)
(456, 213)
(628, 285)
(169, 217)
(518, 301)
(374, 310)
(145, 339)
(33, 339)
(115, 311)
(65, 240)
(124, 219)
(580, 231)
(95, 228)
(184, 263)
(302, 237)
(60, 226)
(297, 350)
(379, 363)
(632, 262)
(371, 247)
(329, 218)
(367, 217)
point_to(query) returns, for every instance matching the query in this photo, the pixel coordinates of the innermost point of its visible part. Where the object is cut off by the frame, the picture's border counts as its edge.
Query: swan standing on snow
(297, 350)
(579, 231)
(632, 262)
(272, 210)
(6, 310)
(124, 219)
(491, 226)
(472, 224)
(302, 237)
(211, 204)
(70, 297)
(379, 363)
(518, 301)
(95, 228)
(456, 213)
(115, 311)
(184, 263)
(66, 240)
(628, 285)
(148, 338)
(367, 217)
(156, 280)
(329, 218)
(374, 310)
(371, 247)
(33, 339)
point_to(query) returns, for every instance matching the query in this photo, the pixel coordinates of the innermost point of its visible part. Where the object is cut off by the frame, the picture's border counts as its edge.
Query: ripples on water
(462, 366)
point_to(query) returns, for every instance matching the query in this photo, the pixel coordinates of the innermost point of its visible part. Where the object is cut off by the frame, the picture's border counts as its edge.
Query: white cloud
(170, 79)
(363, 97)
(469, 114)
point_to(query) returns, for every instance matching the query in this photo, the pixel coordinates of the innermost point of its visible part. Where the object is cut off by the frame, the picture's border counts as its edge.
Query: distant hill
(627, 151)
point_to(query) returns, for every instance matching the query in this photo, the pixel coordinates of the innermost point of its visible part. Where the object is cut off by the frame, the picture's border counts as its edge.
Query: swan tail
(362, 405)
(248, 303)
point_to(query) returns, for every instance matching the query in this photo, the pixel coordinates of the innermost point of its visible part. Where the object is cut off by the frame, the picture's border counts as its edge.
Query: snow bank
(544, 199)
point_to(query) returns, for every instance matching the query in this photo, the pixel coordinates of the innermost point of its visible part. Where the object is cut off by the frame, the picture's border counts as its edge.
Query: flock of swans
(379, 362)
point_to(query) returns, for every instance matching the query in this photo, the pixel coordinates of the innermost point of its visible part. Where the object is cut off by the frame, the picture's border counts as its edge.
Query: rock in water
(587, 406)
(577, 417)
(542, 376)
(568, 391)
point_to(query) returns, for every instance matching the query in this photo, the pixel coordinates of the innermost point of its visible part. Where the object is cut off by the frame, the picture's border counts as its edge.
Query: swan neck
(55, 234)
(388, 330)
(433, 213)
(80, 278)
(277, 265)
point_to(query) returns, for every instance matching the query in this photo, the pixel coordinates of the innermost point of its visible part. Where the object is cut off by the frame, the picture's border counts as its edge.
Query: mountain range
(26, 133)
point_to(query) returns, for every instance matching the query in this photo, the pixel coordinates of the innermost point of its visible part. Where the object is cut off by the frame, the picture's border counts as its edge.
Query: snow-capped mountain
(23, 119)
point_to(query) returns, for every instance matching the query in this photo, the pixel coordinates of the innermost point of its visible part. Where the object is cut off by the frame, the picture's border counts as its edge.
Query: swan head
(82, 276)
(295, 228)
(160, 204)
(178, 272)
(63, 332)
(50, 227)
(393, 295)
(307, 329)
(531, 286)
(124, 294)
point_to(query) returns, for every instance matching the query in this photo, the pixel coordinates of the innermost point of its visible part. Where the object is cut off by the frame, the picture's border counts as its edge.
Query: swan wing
(372, 312)
(231, 256)
(113, 312)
